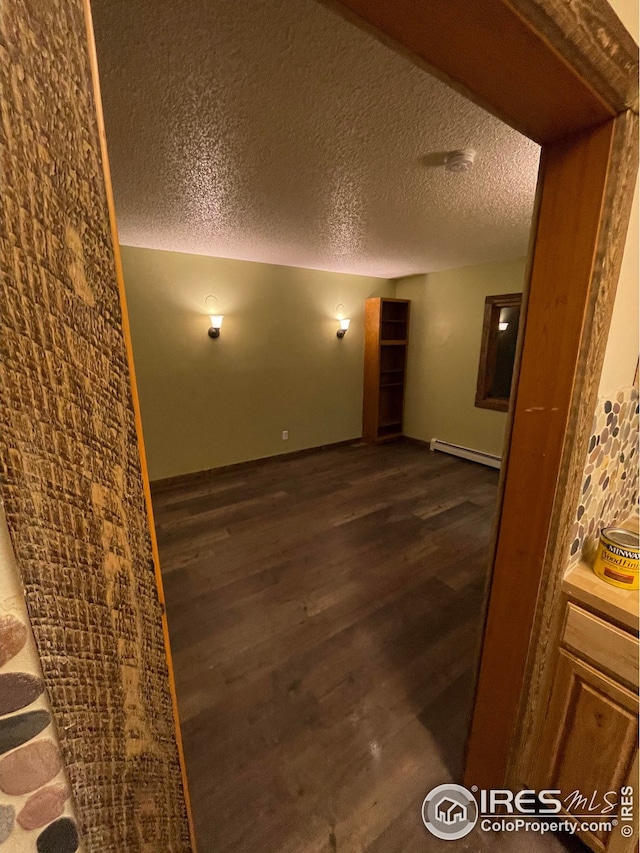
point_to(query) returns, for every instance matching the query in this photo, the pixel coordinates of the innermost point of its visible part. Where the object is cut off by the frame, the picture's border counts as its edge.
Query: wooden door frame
(566, 76)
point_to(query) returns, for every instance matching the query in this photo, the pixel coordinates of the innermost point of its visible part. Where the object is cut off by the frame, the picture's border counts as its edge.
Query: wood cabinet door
(589, 741)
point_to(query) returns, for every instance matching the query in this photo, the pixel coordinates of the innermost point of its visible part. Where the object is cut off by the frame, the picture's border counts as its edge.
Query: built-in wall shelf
(385, 360)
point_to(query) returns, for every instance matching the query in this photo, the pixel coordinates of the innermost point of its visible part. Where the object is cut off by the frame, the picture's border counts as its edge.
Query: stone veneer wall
(36, 808)
(610, 484)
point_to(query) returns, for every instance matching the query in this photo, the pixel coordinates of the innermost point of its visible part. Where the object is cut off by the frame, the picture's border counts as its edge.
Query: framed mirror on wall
(498, 350)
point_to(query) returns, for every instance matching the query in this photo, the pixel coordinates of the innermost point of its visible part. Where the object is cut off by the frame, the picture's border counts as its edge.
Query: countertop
(621, 605)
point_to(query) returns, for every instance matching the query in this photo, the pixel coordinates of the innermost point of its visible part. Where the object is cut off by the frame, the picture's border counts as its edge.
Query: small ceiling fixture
(460, 161)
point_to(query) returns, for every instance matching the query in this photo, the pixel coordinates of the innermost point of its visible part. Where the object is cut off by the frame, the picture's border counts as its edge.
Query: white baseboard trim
(465, 453)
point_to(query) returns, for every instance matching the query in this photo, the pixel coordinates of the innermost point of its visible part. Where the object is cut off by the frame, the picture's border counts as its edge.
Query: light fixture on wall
(216, 325)
(503, 327)
(344, 322)
(216, 319)
(344, 325)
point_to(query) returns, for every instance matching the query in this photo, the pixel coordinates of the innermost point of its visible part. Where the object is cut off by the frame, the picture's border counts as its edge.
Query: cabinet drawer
(606, 645)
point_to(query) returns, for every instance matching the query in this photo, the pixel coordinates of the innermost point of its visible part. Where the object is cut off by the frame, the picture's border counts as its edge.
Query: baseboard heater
(465, 453)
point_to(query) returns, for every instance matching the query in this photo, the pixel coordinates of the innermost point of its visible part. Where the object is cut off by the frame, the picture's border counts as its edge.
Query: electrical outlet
(285, 434)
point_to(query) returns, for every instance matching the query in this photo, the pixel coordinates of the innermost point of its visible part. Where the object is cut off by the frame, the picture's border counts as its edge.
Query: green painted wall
(447, 310)
(277, 365)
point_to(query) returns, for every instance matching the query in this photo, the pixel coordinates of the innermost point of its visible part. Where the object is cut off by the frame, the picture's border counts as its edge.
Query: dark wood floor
(324, 613)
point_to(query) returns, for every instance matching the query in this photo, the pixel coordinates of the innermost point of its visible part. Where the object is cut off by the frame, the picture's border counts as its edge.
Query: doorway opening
(325, 596)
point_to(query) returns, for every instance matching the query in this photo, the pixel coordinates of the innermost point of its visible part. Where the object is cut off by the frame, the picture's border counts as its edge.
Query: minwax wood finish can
(617, 557)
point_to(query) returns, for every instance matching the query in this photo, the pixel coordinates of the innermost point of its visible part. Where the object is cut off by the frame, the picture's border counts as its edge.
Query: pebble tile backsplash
(610, 482)
(36, 809)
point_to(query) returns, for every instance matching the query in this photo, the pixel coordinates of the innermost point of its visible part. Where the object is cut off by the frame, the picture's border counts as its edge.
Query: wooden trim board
(126, 329)
(543, 400)
(539, 67)
(608, 250)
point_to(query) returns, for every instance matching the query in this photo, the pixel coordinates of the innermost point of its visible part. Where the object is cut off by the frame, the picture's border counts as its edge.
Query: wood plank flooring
(324, 613)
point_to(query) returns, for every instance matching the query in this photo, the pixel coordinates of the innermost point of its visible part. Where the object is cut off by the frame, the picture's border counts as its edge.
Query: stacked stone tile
(36, 811)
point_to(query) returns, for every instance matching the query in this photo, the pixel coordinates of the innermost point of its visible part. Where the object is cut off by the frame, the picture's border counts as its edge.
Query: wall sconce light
(344, 326)
(503, 326)
(216, 319)
(216, 325)
(344, 322)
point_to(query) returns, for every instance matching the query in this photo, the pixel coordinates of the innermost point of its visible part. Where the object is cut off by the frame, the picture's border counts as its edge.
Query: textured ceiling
(273, 130)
